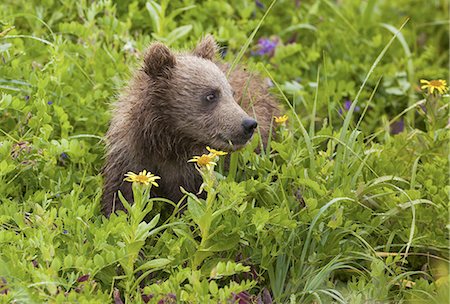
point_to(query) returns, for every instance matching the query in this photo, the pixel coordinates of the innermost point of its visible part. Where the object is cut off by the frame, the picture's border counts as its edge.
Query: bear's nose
(249, 125)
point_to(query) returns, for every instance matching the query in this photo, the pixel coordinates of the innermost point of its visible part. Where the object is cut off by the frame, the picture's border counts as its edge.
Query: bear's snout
(249, 125)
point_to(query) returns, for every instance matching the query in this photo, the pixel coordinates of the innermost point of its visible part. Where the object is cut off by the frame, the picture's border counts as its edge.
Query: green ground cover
(348, 204)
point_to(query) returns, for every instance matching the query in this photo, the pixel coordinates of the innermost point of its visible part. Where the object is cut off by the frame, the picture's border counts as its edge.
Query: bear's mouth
(233, 145)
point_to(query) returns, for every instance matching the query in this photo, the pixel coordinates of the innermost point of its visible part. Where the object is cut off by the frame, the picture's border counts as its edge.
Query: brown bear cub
(174, 107)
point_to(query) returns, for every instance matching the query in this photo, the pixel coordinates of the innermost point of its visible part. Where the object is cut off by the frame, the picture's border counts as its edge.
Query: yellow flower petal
(206, 160)
(143, 177)
(281, 119)
(440, 85)
(216, 152)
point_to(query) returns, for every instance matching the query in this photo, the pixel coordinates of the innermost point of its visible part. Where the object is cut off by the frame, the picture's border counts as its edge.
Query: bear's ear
(207, 48)
(158, 61)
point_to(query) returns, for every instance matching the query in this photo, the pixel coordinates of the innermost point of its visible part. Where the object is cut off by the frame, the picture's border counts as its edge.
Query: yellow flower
(204, 160)
(439, 85)
(143, 177)
(216, 152)
(281, 119)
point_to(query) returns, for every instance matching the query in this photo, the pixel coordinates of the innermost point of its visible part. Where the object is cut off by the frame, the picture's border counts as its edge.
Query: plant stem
(199, 255)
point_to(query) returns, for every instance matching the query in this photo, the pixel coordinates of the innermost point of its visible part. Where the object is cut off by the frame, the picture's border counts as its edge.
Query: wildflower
(348, 104)
(281, 119)
(259, 4)
(3, 286)
(242, 297)
(267, 46)
(83, 278)
(439, 85)
(223, 52)
(143, 177)
(128, 47)
(62, 160)
(49, 102)
(216, 152)
(147, 298)
(397, 127)
(206, 160)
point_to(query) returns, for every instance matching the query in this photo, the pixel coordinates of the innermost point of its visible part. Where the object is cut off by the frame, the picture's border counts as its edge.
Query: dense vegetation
(348, 204)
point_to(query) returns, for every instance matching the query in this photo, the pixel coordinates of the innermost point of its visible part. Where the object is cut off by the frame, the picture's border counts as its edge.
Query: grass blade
(348, 117)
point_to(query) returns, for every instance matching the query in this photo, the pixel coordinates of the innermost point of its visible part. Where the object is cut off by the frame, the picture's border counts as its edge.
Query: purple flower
(397, 126)
(259, 4)
(65, 231)
(49, 102)
(63, 157)
(265, 297)
(83, 278)
(223, 52)
(266, 46)
(147, 298)
(3, 286)
(347, 104)
(242, 298)
(27, 97)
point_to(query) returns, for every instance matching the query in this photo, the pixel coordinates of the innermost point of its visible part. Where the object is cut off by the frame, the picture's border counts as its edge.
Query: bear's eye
(211, 96)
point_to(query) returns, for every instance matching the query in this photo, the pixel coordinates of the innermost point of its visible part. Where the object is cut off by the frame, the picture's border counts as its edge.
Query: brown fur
(162, 119)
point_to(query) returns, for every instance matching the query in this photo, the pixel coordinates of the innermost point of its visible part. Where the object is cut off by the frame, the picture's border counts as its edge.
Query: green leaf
(154, 9)
(227, 269)
(336, 219)
(260, 218)
(223, 243)
(196, 209)
(152, 264)
(99, 261)
(178, 33)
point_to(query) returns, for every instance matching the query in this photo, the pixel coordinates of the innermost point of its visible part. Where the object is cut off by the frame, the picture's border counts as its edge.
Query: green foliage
(337, 208)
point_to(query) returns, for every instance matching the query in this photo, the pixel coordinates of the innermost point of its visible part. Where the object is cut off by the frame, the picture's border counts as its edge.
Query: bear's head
(195, 98)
